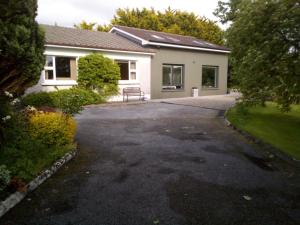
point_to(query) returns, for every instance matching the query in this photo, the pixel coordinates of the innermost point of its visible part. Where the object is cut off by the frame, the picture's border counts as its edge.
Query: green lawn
(281, 130)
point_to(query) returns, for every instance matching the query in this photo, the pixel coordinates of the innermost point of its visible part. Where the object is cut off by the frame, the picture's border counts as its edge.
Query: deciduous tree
(265, 39)
(172, 21)
(85, 25)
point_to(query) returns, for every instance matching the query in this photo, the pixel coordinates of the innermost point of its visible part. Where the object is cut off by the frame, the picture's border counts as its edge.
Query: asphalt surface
(157, 163)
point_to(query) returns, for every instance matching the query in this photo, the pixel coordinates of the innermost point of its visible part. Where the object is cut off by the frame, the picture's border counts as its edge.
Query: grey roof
(168, 38)
(56, 35)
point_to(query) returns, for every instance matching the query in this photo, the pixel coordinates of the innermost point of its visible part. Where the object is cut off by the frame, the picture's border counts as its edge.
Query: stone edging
(17, 197)
(273, 150)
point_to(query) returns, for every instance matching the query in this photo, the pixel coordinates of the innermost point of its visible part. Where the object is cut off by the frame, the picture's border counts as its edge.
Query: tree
(85, 26)
(172, 21)
(100, 73)
(21, 45)
(265, 41)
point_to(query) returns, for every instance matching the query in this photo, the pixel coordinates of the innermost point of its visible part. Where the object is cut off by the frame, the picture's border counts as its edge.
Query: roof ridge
(73, 28)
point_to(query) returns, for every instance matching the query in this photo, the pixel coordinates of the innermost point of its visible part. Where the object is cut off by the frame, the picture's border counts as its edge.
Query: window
(49, 67)
(127, 69)
(172, 77)
(60, 68)
(210, 76)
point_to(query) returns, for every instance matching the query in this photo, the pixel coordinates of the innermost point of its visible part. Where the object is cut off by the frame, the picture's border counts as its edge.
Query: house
(163, 65)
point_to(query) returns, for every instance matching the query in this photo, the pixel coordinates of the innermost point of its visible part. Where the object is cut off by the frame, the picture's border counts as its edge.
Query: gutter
(98, 49)
(188, 47)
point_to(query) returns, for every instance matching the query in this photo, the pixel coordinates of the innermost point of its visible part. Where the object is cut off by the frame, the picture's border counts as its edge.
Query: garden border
(12, 200)
(266, 146)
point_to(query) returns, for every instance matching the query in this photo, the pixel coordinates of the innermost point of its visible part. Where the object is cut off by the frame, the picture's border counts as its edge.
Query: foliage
(70, 101)
(100, 73)
(281, 130)
(21, 45)
(171, 21)
(264, 38)
(4, 177)
(52, 129)
(228, 10)
(31, 141)
(8, 117)
(39, 140)
(39, 99)
(85, 25)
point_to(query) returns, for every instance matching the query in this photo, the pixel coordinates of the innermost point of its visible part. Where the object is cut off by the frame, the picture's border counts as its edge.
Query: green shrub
(98, 72)
(4, 177)
(70, 101)
(84, 96)
(39, 99)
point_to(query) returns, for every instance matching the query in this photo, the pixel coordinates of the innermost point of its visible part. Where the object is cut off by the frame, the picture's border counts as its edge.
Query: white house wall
(143, 70)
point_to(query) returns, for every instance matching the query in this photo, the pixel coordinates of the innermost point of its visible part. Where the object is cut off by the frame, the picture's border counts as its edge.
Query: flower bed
(31, 141)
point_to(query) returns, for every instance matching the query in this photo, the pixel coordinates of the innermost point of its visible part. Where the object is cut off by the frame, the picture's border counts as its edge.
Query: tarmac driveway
(158, 163)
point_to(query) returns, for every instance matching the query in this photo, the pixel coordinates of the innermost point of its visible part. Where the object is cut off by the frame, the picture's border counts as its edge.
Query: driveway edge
(268, 147)
(17, 197)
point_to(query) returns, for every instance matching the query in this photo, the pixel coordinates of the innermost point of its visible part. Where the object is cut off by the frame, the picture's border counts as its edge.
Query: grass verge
(281, 130)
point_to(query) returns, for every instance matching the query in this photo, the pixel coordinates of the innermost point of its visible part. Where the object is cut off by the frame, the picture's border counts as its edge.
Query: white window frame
(54, 81)
(132, 70)
(216, 83)
(173, 87)
(50, 68)
(129, 68)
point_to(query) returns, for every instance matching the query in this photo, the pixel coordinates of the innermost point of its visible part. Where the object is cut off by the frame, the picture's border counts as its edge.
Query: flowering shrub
(52, 128)
(4, 177)
(7, 116)
(31, 140)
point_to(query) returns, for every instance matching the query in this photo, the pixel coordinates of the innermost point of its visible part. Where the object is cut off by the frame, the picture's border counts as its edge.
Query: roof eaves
(63, 45)
(188, 47)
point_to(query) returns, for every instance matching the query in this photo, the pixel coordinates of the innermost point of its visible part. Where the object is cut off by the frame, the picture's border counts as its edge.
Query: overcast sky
(69, 12)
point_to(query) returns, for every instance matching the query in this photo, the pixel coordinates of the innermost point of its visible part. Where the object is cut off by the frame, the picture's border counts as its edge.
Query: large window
(210, 76)
(172, 77)
(127, 69)
(60, 68)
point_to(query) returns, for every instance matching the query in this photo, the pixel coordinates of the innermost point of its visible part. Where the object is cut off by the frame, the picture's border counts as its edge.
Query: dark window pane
(63, 68)
(177, 72)
(209, 76)
(49, 74)
(49, 61)
(172, 77)
(167, 75)
(124, 70)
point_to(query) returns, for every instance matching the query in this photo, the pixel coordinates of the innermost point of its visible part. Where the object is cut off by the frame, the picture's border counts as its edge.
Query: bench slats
(132, 91)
